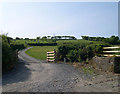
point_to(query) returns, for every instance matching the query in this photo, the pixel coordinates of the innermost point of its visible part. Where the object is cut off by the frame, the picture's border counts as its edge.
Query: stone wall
(110, 64)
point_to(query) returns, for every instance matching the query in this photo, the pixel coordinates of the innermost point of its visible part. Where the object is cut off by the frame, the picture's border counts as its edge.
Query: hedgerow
(9, 54)
(79, 52)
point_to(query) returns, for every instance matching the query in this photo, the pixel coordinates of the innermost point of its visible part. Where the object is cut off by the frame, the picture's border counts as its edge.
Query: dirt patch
(95, 77)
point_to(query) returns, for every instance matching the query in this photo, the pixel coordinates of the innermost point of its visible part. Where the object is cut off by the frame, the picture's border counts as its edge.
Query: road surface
(33, 75)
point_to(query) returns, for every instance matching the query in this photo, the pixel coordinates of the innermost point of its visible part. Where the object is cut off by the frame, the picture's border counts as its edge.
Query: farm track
(33, 75)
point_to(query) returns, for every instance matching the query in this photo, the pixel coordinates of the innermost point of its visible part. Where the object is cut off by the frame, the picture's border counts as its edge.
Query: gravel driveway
(32, 75)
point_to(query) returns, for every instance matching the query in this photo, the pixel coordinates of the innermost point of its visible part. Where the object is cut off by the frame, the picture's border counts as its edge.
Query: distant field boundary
(42, 44)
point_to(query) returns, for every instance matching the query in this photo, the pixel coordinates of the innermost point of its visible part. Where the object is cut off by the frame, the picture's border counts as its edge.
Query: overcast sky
(30, 19)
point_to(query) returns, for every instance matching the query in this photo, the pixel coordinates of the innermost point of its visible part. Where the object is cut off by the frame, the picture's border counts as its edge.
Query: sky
(33, 19)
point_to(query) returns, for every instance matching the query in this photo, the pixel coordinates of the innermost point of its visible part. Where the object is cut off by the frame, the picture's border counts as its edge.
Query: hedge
(17, 46)
(9, 56)
(79, 52)
(42, 44)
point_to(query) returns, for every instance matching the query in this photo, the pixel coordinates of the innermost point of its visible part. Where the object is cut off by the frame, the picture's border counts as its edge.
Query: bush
(90, 52)
(17, 46)
(79, 52)
(83, 54)
(78, 55)
(9, 56)
(72, 55)
(63, 50)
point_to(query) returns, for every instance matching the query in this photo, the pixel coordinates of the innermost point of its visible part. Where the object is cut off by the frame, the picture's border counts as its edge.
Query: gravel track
(33, 75)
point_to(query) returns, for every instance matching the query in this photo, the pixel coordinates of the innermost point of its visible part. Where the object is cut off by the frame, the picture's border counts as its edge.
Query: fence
(51, 56)
(111, 51)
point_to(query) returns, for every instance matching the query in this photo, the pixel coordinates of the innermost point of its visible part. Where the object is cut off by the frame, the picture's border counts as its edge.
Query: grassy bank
(39, 52)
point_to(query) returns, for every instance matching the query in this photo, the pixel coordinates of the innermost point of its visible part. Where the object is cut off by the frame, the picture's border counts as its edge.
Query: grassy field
(31, 41)
(39, 52)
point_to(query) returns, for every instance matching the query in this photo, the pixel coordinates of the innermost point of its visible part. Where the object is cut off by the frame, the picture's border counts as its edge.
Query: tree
(26, 38)
(44, 38)
(52, 37)
(85, 37)
(9, 38)
(59, 37)
(73, 38)
(114, 40)
(48, 37)
(38, 38)
(90, 38)
(17, 38)
(65, 37)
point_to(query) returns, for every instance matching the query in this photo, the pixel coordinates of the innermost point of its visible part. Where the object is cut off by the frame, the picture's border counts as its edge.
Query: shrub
(79, 52)
(114, 40)
(72, 55)
(90, 52)
(83, 54)
(9, 57)
(63, 50)
(77, 55)
(17, 46)
(98, 49)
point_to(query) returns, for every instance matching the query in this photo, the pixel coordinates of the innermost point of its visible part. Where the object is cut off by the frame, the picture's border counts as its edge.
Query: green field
(31, 41)
(39, 52)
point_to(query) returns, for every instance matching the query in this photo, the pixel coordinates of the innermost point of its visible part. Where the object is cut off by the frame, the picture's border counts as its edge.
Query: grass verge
(39, 52)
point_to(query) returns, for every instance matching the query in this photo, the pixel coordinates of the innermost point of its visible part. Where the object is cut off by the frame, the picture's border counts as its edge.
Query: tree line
(114, 40)
(49, 37)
